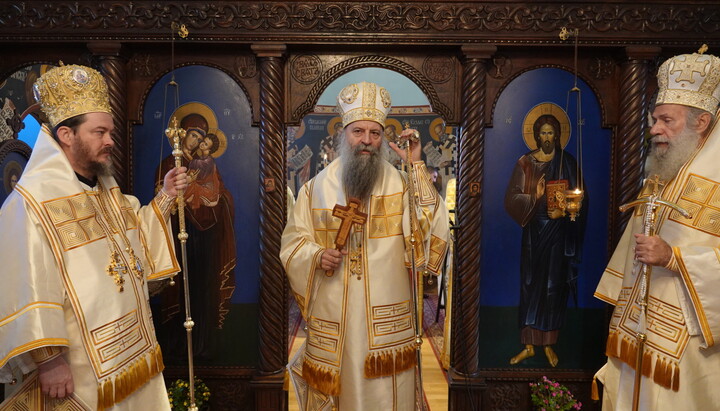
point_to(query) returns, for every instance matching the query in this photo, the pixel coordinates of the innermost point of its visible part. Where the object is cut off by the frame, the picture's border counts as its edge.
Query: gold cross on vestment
(349, 214)
(688, 67)
(116, 269)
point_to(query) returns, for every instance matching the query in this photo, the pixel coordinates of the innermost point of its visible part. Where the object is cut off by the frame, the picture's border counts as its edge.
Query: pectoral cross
(349, 214)
(116, 269)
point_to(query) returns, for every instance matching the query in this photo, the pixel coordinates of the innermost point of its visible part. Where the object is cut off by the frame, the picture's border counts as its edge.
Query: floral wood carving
(476, 20)
(504, 397)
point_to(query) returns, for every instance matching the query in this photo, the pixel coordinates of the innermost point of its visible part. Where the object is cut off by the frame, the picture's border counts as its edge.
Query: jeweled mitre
(364, 101)
(68, 91)
(691, 80)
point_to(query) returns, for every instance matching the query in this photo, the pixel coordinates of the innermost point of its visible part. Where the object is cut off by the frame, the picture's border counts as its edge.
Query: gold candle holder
(573, 202)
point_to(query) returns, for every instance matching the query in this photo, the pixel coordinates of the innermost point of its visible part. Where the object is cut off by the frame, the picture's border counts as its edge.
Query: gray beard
(96, 167)
(102, 169)
(360, 171)
(666, 165)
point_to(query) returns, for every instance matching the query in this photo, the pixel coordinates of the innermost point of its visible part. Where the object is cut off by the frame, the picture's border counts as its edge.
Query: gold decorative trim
(615, 273)
(384, 363)
(438, 249)
(113, 390)
(697, 304)
(33, 345)
(323, 379)
(701, 197)
(604, 298)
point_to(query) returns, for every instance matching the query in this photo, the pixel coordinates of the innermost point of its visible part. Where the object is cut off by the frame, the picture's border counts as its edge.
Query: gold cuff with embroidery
(44, 354)
(673, 265)
(165, 203)
(427, 195)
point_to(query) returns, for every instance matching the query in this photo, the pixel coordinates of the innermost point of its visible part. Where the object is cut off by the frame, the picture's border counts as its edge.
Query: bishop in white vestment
(681, 358)
(76, 258)
(360, 351)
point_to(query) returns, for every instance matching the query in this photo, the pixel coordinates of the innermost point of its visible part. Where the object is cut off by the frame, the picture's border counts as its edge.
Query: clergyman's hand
(414, 145)
(175, 180)
(55, 378)
(652, 250)
(331, 258)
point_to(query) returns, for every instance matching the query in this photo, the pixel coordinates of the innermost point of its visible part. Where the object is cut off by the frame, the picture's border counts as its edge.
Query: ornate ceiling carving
(500, 21)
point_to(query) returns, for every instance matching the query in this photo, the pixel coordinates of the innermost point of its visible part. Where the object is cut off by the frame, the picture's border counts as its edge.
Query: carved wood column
(466, 297)
(268, 382)
(113, 66)
(637, 81)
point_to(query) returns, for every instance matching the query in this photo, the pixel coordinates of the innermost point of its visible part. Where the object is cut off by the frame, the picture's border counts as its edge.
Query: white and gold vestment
(67, 251)
(360, 338)
(681, 364)
(681, 357)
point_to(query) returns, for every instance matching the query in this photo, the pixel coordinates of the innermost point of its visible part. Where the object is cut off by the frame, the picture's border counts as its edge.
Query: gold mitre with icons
(691, 80)
(364, 101)
(68, 91)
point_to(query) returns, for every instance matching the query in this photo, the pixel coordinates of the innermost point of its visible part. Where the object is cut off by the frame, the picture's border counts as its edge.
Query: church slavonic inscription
(306, 68)
(438, 69)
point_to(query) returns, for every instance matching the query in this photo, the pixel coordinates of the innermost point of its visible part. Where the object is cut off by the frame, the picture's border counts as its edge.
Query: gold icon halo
(395, 123)
(196, 107)
(331, 125)
(222, 139)
(434, 124)
(542, 109)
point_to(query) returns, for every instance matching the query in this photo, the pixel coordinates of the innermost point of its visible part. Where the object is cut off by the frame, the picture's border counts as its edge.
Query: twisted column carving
(112, 66)
(273, 286)
(629, 150)
(466, 300)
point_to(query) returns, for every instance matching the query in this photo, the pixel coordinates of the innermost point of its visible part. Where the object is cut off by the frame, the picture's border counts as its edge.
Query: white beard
(667, 163)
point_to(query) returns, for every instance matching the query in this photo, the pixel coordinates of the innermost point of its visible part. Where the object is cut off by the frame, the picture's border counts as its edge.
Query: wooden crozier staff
(176, 133)
(651, 204)
(349, 214)
(407, 141)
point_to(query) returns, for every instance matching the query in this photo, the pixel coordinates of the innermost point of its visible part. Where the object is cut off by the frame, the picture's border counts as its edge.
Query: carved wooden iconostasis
(251, 75)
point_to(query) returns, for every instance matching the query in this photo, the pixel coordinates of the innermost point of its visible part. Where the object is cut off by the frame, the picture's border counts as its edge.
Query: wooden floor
(435, 381)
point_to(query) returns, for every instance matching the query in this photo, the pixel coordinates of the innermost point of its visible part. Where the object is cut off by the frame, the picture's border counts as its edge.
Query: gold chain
(136, 266)
(118, 266)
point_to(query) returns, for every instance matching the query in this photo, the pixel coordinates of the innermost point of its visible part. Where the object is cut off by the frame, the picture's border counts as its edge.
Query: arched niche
(20, 120)
(543, 90)
(21, 115)
(312, 145)
(225, 288)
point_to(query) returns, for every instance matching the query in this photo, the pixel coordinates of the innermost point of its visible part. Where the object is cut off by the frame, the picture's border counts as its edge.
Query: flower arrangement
(547, 395)
(179, 394)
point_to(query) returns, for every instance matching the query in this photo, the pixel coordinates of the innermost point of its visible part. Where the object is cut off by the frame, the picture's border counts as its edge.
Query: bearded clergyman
(680, 358)
(360, 352)
(77, 255)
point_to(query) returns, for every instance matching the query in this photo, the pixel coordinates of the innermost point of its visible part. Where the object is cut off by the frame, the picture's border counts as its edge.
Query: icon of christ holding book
(551, 242)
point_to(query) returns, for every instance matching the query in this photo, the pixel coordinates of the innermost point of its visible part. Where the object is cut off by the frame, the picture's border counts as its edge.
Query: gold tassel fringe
(594, 395)
(114, 390)
(390, 362)
(323, 379)
(664, 372)
(647, 364)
